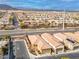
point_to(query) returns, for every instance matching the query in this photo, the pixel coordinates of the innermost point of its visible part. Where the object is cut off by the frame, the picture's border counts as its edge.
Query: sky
(43, 4)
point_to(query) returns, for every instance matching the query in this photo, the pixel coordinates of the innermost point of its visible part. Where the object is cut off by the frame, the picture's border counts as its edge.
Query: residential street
(20, 50)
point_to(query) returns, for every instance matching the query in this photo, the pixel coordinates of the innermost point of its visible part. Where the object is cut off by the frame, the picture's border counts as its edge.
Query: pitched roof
(51, 40)
(36, 39)
(60, 36)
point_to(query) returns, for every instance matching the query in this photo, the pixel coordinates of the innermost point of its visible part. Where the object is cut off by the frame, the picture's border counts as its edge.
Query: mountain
(6, 7)
(37, 9)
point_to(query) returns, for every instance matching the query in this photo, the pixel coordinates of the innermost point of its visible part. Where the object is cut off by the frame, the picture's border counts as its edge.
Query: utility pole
(64, 19)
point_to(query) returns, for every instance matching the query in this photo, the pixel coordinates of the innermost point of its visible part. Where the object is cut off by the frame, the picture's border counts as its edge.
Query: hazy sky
(47, 4)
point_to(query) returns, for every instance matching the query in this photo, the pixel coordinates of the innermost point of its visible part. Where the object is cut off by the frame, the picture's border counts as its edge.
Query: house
(5, 19)
(68, 41)
(73, 39)
(76, 34)
(39, 44)
(56, 45)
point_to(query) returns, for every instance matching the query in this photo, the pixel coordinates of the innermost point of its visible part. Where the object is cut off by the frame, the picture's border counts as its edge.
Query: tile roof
(36, 39)
(76, 34)
(60, 36)
(51, 40)
(71, 36)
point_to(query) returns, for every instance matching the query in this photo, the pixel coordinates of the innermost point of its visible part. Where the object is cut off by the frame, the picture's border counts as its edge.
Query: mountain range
(7, 7)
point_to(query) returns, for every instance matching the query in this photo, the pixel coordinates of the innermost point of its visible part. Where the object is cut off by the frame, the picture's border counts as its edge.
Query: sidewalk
(31, 55)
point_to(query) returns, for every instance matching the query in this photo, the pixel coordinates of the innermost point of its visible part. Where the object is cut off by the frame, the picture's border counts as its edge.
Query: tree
(11, 19)
(1, 38)
(21, 24)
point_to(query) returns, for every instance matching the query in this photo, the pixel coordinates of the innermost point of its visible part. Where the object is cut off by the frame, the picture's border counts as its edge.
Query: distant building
(5, 19)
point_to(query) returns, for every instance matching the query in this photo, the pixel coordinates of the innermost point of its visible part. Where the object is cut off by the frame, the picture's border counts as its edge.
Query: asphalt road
(15, 22)
(62, 56)
(46, 57)
(34, 31)
(20, 50)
